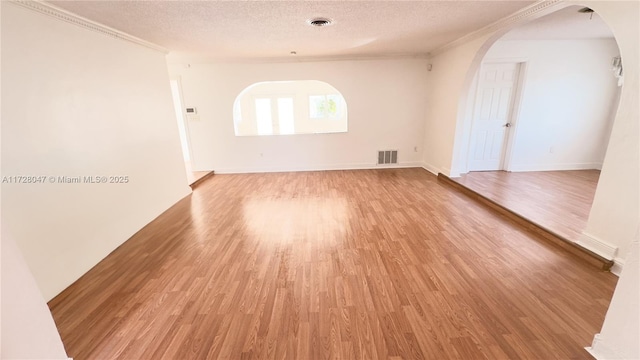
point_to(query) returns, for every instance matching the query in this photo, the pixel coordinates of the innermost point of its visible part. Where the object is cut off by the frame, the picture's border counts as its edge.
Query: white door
(492, 115)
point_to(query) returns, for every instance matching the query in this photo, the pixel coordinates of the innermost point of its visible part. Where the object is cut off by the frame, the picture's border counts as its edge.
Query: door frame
(510, 138)
(185, 123)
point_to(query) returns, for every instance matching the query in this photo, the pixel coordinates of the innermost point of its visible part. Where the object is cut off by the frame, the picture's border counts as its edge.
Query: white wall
(615, 213)
(619, 336)
(386, 107)
(79, 103)
(448, 88)
(28, 330)
(569, 98)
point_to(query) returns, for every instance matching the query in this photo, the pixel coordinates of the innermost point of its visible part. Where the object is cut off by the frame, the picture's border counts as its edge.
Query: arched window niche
(288, 108)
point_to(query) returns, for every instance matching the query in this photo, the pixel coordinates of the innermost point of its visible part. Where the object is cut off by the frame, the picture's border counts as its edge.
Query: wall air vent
(387, 157)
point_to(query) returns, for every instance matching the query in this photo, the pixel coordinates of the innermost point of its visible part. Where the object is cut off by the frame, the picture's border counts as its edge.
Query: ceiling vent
(319, 22)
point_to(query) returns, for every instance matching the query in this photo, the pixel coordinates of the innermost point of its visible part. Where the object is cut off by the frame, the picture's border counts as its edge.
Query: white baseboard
(554, 167)
(361, 166)
(447, 172)
(598, 246)
(618, 264)
(430, 168)
(601, 352)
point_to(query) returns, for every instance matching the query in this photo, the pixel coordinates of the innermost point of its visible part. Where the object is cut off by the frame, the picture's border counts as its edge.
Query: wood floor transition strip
(201, 180)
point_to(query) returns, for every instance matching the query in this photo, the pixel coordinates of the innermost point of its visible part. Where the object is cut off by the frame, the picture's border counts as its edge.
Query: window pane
(317, 106)
(334, 105)
(263, 116)
(285, 116)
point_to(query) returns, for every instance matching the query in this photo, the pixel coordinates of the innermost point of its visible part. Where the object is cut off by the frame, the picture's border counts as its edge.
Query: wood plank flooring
(557, 200)
(369, 264)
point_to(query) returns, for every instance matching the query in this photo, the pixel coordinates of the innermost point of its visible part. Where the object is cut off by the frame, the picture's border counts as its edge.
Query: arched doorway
(539, 105)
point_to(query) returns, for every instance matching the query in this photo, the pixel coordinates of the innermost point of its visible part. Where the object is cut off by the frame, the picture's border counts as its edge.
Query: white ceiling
(272, 29)
(567, 23)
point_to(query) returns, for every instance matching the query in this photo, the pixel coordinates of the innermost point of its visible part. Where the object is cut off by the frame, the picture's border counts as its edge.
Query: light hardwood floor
(370, 264)
(559, 201)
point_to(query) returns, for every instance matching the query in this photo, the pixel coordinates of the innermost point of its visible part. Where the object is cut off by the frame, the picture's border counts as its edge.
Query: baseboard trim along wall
(554, 167)
(430, 168)
(600, 352)
(449, 173)
(360, 166)
(618, 264)
(598, 246)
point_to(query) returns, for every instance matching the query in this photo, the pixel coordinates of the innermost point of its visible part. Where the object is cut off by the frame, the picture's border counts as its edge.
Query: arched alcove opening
(288, 108)
(536, 118)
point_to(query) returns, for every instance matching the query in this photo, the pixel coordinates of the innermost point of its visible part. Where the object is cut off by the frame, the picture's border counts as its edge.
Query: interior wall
(78, 103)
(448, 83)
(568, 101)
(386, 110)
(28, 330)
(615, 212)
(618, 338)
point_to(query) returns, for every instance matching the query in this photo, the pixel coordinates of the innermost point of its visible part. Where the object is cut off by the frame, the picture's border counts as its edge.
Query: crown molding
(532, 11)
(69, 17)
(174, 58)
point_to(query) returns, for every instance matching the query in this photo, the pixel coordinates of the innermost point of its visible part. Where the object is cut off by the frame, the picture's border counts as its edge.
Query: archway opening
(289, 108)
(538, 116)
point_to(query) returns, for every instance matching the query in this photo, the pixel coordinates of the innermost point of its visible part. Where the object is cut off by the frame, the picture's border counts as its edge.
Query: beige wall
(28, 330)
(79, 103)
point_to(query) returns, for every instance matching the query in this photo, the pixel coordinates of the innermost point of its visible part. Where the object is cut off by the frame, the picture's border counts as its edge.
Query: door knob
(507, 125)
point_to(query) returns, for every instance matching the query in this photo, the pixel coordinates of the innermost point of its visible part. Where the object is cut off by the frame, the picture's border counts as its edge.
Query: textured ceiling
(567, 23)
(272, 29)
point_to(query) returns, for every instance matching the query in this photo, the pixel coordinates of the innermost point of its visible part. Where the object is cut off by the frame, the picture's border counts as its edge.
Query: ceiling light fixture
(320, 21)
